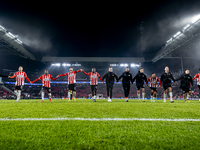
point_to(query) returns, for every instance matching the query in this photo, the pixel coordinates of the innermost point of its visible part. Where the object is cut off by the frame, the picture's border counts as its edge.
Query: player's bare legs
(165, 95)
(188, 96)
(18, 94)
(152, 95)
(42, 95)
(69, 94)
(143, 94)
(74, 95)
(170, 94)
(138, 94)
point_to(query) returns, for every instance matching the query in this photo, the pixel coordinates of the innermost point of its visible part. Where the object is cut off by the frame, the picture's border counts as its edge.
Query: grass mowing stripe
(97, 119)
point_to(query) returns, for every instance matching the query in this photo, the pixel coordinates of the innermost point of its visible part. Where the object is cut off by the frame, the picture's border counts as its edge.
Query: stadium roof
(11, 45)
(95, 59)
(183, 44)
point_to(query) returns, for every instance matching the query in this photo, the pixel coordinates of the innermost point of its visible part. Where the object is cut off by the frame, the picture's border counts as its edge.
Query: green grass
(74, 134)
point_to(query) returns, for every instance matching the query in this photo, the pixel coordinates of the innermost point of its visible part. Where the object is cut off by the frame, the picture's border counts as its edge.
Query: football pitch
(83, 124)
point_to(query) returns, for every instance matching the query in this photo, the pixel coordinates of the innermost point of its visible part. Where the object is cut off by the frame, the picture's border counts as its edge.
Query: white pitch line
(97, 119)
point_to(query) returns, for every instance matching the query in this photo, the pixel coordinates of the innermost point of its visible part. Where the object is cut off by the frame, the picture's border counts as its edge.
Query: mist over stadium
(54, 37)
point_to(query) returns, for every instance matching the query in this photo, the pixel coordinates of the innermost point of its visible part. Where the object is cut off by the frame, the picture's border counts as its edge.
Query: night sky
(96, 29)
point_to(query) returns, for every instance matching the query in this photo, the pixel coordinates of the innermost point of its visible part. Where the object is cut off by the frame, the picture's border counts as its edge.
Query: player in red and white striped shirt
(71, 82)
(153, 85)
(46, 79)
(20, 75)
(93, 81)
(197, 76)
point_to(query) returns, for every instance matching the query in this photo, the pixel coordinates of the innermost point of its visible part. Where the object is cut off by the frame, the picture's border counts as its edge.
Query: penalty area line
(96, 119)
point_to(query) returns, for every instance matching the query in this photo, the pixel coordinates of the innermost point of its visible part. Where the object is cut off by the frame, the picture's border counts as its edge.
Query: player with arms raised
(93, 82)
(20, 75)
(46, 79)
(71, 82)
(153, 80)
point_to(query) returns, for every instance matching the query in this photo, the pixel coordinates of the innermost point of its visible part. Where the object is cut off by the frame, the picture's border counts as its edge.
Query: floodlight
(10, 35)
(195, 19)
(170, 40)
(2, 28)
(135, 65)
(64, 64)
(177, 34)
(186, 27)
(123, 65)
(76, 64)
(56, 64)
(113, 65)
(18, 41)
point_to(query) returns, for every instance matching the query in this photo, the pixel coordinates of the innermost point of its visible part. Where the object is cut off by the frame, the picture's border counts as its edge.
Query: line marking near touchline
(96, 119)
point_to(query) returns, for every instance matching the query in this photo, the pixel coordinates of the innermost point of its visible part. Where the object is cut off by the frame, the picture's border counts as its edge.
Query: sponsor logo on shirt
(46, 79)
(71, 75)
(20, 76)
(93, 76)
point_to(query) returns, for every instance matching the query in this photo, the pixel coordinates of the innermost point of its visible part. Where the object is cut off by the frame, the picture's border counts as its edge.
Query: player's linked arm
(35, 80)
(196, 76)
(100, 79)
(173, 78)
(78, 70)
(61, 75)
(134, 78)
(105, 76)
(160, 82)
(85, 72)
(12, 76)
(120, 78)
(147, 83)
(28, 79)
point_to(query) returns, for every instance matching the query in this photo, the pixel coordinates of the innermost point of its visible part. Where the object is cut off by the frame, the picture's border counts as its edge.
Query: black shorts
(46, 88)
(140, 87)
(93, 87)
(154, 89)
(18, 87)
(185, 89)
(166, 87)
(72, 87)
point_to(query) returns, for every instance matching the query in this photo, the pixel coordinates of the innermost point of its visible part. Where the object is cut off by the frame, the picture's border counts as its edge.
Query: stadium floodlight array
(10, 35)
(186, 27)
(113, 65)
(2, 28)
(169, 41)
(18, 41)
(66, 64)
(195, 19)
(177, 34)
(56, 64)
(135, 65)
(76, 65)
(123, 65)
